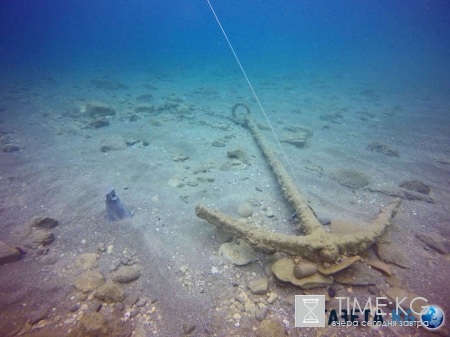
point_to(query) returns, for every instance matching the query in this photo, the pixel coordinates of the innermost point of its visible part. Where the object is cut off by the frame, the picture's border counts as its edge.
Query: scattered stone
(283, 270)
(8, 253)
(261, 313)
(9, 148)
(358, 274)
(382, 148)
(141, 303)
(201, 169)
(113, 143)
(296, 135)
(373, 290)
(350, 178)
(331, 292)
(345, 263)
(259, 286)
(74, 307)
(391, 253)
(232, 164)
(98, 109)
(134, 312)
(180, 157)
(43, 222)
(94, 324)
(245, 210)
(435, 241)
(272, 297)
(100, 122)
(101, 247)
(188, 328)
(145, 109)
(385, 268)
(126, 274)
(87, 260)
(89, 280)
(332, 118)
(239, 154)
(218, 143)
(270, 212)
(416, 186)
(119, 306)
(38, 237)
(304, 268)
(271, 328)
(238, 252)
(109, 292)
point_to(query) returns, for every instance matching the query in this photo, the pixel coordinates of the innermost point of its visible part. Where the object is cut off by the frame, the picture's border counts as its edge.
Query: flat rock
(239, 154)
(416, 186)
(283, 269)
(237, 252)
(345, 263)
(435, 241)
(113, 143)
(89, 281)
(313, 281)
(385, 268)
(8, 253)
(109, 292)
(43, 222)
(359, 274)
(126, 274)
(259, 286)
(350, 178)
(390, 253)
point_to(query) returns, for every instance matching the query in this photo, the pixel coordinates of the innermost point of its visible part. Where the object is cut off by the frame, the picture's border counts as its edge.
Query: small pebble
(188, 328)
(134, 312)
(141, 303)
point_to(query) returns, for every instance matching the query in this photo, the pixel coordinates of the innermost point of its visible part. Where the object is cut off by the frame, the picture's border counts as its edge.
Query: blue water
(409, 39)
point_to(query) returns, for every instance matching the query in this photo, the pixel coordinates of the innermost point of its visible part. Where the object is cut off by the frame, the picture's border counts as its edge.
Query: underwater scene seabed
(205, 194)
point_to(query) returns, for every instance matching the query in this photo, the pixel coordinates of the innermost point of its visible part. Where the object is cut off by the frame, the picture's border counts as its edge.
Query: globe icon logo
(432, 317)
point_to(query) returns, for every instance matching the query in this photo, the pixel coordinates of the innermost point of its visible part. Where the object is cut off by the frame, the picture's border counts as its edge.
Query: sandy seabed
(175, 156)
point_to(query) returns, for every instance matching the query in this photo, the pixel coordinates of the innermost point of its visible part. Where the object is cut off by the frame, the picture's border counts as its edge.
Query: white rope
(254, 93)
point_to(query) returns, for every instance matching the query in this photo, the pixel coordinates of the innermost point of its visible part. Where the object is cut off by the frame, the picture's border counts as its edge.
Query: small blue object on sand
(114, 208)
